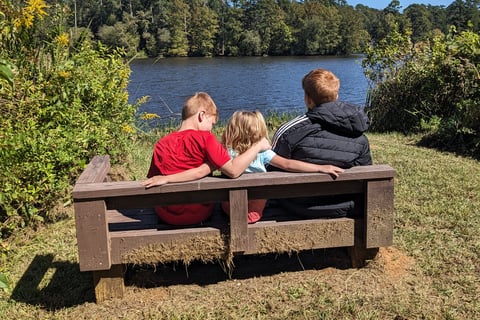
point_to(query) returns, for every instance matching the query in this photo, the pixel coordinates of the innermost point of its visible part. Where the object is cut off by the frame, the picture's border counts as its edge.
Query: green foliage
(121, 35)
(176, 22)
(203, 29)
(267, 27)
(433, 85)
(319, 32)
(4, 284)
(68, 105)
(250, 43)
(6, 73)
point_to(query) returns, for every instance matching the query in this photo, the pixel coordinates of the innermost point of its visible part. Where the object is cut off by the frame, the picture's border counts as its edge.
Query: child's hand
(333, 170)
(264, 145)
(155, 181)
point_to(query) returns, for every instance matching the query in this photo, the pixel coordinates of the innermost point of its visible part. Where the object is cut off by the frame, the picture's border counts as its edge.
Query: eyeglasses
(212, 114)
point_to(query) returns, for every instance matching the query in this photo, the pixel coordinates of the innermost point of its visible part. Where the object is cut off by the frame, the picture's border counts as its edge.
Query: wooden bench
(116, 226)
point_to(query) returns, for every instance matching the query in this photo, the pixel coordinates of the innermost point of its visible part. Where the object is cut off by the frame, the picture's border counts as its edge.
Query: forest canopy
(257, 27)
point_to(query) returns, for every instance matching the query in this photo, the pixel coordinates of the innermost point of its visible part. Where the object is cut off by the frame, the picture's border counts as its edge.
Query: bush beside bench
(116, 226)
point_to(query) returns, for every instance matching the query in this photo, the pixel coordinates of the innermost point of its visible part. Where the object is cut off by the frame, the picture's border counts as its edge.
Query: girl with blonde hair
(246, 128)
(191, 153)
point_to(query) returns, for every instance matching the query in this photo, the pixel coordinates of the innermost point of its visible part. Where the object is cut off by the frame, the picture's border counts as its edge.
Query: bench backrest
(132, 194)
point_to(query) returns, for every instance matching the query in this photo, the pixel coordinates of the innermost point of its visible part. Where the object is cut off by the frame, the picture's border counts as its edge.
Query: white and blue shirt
(259, 163)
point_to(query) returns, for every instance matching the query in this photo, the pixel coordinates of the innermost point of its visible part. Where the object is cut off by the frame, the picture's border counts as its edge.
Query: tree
(439, 18)
(121, 35)
(432, 89)
(320, 31)
(393, 7)
(456, 14)
(352, 31)
(373, 22)
(250, 43)
(269, 20)
(421, 21)
(147, 40)
(202, 29)
(177, 18)
(231, 32)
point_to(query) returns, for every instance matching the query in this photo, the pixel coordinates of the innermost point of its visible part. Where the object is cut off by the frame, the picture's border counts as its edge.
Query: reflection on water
(263, 83)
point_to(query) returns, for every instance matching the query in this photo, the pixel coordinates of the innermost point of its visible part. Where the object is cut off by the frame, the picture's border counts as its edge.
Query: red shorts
(181, 215)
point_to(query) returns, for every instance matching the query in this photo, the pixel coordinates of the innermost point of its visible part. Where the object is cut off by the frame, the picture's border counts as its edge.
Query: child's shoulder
(192, 132)
(197, 135)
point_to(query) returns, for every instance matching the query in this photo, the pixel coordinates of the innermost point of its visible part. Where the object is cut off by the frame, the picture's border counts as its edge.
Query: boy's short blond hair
(199, 101)
(243, 130)
(321, 86)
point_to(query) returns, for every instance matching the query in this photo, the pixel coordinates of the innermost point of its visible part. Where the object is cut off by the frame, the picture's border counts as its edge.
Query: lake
(248, 83)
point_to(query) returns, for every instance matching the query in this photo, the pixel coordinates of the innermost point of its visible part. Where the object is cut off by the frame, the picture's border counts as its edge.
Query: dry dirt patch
(264, 284)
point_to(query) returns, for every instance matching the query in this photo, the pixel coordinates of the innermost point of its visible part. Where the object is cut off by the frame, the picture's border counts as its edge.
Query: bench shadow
(53, 285)
(245, 267)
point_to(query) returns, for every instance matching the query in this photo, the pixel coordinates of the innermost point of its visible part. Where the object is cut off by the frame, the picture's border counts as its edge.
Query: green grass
(432, 272)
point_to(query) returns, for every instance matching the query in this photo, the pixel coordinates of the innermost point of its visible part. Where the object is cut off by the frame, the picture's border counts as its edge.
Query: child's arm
(187, 175)
(300, 166)
(234, 168)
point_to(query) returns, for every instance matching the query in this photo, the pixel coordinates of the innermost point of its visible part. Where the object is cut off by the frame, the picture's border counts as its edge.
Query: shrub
(431, 87)
(68, 104)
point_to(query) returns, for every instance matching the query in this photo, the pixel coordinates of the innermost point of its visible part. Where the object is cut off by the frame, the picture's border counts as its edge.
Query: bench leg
(359, 255)
(109, 284)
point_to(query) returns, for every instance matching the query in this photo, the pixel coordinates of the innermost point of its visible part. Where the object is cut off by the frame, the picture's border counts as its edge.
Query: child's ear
(309, 102)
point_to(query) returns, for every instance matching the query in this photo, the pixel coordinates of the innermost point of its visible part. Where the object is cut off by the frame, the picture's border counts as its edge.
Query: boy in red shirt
(191, 153)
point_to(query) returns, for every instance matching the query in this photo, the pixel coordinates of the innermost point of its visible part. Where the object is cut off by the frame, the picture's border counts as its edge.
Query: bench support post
(238, 220)
(92, 235)
(109, 284)
(379, 213)
(377, 230)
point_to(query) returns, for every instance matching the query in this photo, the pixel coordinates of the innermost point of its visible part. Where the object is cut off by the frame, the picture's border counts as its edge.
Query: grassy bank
(431, 271)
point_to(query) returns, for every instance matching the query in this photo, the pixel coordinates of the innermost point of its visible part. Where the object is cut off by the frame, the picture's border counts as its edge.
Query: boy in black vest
(330, 132)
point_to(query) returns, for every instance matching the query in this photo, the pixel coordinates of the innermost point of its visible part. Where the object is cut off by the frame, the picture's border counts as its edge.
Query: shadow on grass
(57, 285)
(463, 145)
(245, 267)
(54, 285)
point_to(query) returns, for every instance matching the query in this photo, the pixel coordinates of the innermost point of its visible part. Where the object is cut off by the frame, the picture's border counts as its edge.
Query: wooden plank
(109, 284)
(291, 236)
(151, 200)
(264, 237)
(125, 242)
(96, 171)
(135, 188)
(254, 192)
(92, 235)
(379, 213)
(165, 235)
(126, 216)
(305, 189)
(238, 220)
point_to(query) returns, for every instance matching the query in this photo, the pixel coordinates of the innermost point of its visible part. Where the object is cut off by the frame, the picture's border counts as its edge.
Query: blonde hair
(321, 86)
(243, 130)
(199, 101)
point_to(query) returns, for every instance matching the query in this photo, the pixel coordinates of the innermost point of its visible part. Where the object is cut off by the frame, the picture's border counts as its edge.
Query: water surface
(250, 83)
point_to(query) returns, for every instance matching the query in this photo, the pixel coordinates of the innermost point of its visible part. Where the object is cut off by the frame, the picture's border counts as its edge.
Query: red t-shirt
(178, 152)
